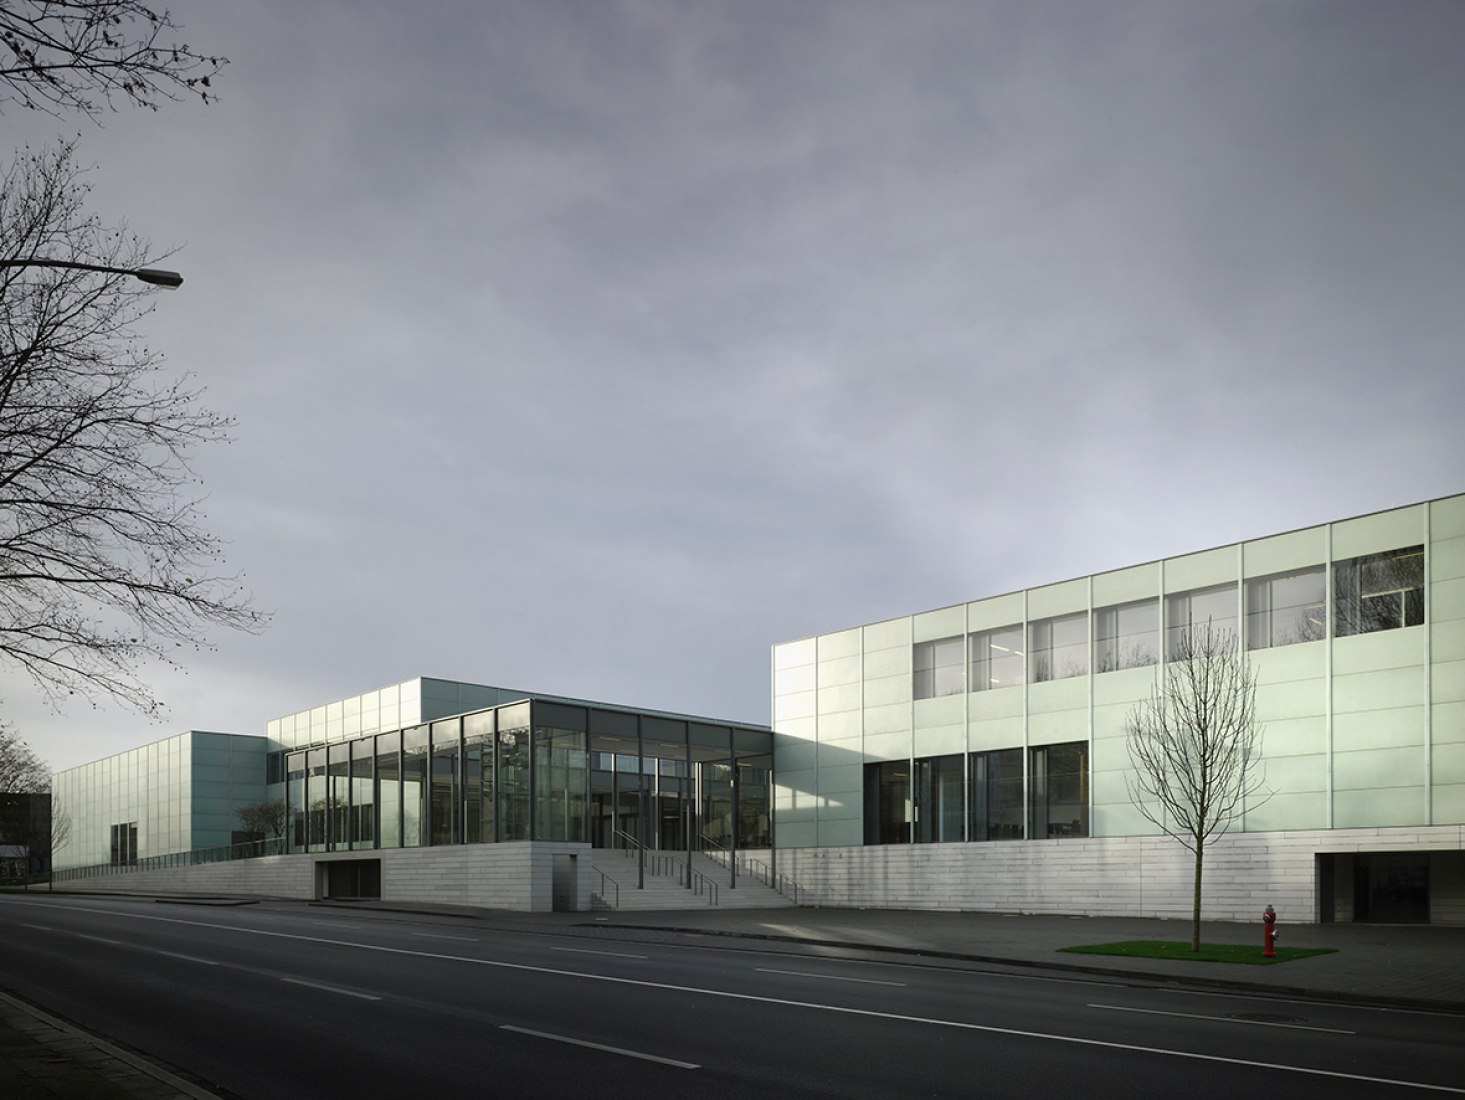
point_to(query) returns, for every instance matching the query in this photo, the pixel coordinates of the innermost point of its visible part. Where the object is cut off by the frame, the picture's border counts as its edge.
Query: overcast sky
(592, 348)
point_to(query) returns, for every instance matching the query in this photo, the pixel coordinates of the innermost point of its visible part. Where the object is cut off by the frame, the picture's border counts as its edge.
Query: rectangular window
(513, 773)
(939, 668)
(1127, 635)
(124, 844)
(939, 806)
(363, 791)
(445, 827)
(1059, 648)
(415, 790)
(1185, 611)
(1286, 608)
(478, 777)
(997, 795)
(888, 803)
(1060, 790)
(998, 658)
(1379, 592)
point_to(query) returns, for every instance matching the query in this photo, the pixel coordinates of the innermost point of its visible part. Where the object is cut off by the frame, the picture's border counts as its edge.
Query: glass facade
(536, 770)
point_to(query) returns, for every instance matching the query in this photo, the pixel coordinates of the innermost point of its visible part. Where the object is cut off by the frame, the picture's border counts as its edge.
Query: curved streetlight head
(158, 277)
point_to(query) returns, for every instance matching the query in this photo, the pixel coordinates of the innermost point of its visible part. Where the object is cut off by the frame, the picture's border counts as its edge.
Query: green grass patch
(1209, 952)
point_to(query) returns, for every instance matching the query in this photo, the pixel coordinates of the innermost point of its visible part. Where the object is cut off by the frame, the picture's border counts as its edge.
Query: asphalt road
(277, 1001)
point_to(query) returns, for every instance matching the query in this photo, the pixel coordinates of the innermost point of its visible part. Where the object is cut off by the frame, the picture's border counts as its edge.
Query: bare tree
(1195, 746)
(104, 562)
(21, 770)
(267, 819)
(80, 55)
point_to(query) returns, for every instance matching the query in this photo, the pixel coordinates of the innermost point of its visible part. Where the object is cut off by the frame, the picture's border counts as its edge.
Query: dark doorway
(354, 878)
(1391, 888)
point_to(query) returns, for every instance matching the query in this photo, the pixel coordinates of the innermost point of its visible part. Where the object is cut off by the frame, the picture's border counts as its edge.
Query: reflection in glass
(363, 803)
(1058, 648)
(1060, 790)
(1127, 635)
(389, 788)
(562, 778)
(1187, 610)
(888, 802)
(998, 658)
(1379, 592)
(939, 807)
(1285, 609)
(415, 792)
(478, 777)
(997, 795)
(513, 780)
(939, 668)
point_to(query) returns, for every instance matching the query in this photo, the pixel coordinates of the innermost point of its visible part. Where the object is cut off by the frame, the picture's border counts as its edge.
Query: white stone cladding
(515, 875)
(1114, 876)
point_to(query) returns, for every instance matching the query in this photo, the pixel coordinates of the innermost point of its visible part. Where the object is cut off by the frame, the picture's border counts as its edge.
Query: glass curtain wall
(414, 787)
(997, 810)
(939, 805)
(363, 794)
(514, 794)
(556, 772)
(445, 827)
(561, 773)
(478, 737)
(389, 788)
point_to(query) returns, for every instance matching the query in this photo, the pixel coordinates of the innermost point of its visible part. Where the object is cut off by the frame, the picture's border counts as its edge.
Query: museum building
(971, 757)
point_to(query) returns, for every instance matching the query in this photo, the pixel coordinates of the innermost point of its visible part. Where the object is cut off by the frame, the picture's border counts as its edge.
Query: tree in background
(78, 55)
(267, 820)
(21, 770)
(1195, 747)
(104, 562)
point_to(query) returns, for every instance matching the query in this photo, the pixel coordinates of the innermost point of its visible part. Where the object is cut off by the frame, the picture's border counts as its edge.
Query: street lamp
(155, 276)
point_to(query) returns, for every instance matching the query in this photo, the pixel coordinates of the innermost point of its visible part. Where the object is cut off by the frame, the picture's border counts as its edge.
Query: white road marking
(587, 951)
(331, 989)
(185, 958)
(434, 936)
(1225, 1019)
(600, 1046)
(38, 927)
(826, 977)
(99, 939)
(962, 1025)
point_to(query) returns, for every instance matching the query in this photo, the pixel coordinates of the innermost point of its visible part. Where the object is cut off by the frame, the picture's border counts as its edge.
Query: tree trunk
(1200, 850)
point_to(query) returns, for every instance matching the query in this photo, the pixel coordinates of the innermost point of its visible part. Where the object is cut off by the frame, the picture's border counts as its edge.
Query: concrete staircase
(668, 889)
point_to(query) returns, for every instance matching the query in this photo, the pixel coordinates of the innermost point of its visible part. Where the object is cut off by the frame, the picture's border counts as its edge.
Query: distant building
(973, 757)
(25, 836)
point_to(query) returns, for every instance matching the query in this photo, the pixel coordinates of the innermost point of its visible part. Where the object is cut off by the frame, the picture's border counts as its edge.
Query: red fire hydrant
(1269, 933)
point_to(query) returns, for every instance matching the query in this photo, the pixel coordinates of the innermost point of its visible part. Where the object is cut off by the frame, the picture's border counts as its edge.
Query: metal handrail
(659, 863)
(749, 865)
(604, 878)
(252, 849)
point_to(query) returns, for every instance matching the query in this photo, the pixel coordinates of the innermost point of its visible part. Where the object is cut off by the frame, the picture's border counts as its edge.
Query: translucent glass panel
(1379, 592)
(1059, 648)
(939, 804)
(338, 770)
(315, 799)
(445, 824)
(996, 786)
(1185, 610)
(1286, 608)
(1127, 635)
(562, 783)
(939, 668)
(295, 799)
(1060, 790)
(998, 658)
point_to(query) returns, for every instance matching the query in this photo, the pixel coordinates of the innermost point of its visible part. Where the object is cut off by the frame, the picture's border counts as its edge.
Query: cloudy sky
(594, 347)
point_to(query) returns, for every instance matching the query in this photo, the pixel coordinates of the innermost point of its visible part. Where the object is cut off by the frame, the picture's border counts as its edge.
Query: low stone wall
(517, 875)
(1111, 876)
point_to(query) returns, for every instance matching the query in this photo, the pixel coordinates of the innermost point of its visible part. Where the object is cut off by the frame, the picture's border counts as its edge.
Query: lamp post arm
(154, 276)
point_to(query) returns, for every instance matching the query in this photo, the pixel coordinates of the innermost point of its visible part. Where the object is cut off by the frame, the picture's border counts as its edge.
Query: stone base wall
(517, 876)
(1114, 876)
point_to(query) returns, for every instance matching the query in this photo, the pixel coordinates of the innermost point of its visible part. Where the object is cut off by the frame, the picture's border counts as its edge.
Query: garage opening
(353, 878)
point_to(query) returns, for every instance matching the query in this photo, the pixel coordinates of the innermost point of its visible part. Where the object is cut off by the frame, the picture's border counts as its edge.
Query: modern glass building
(974, 756)
(176, 795)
